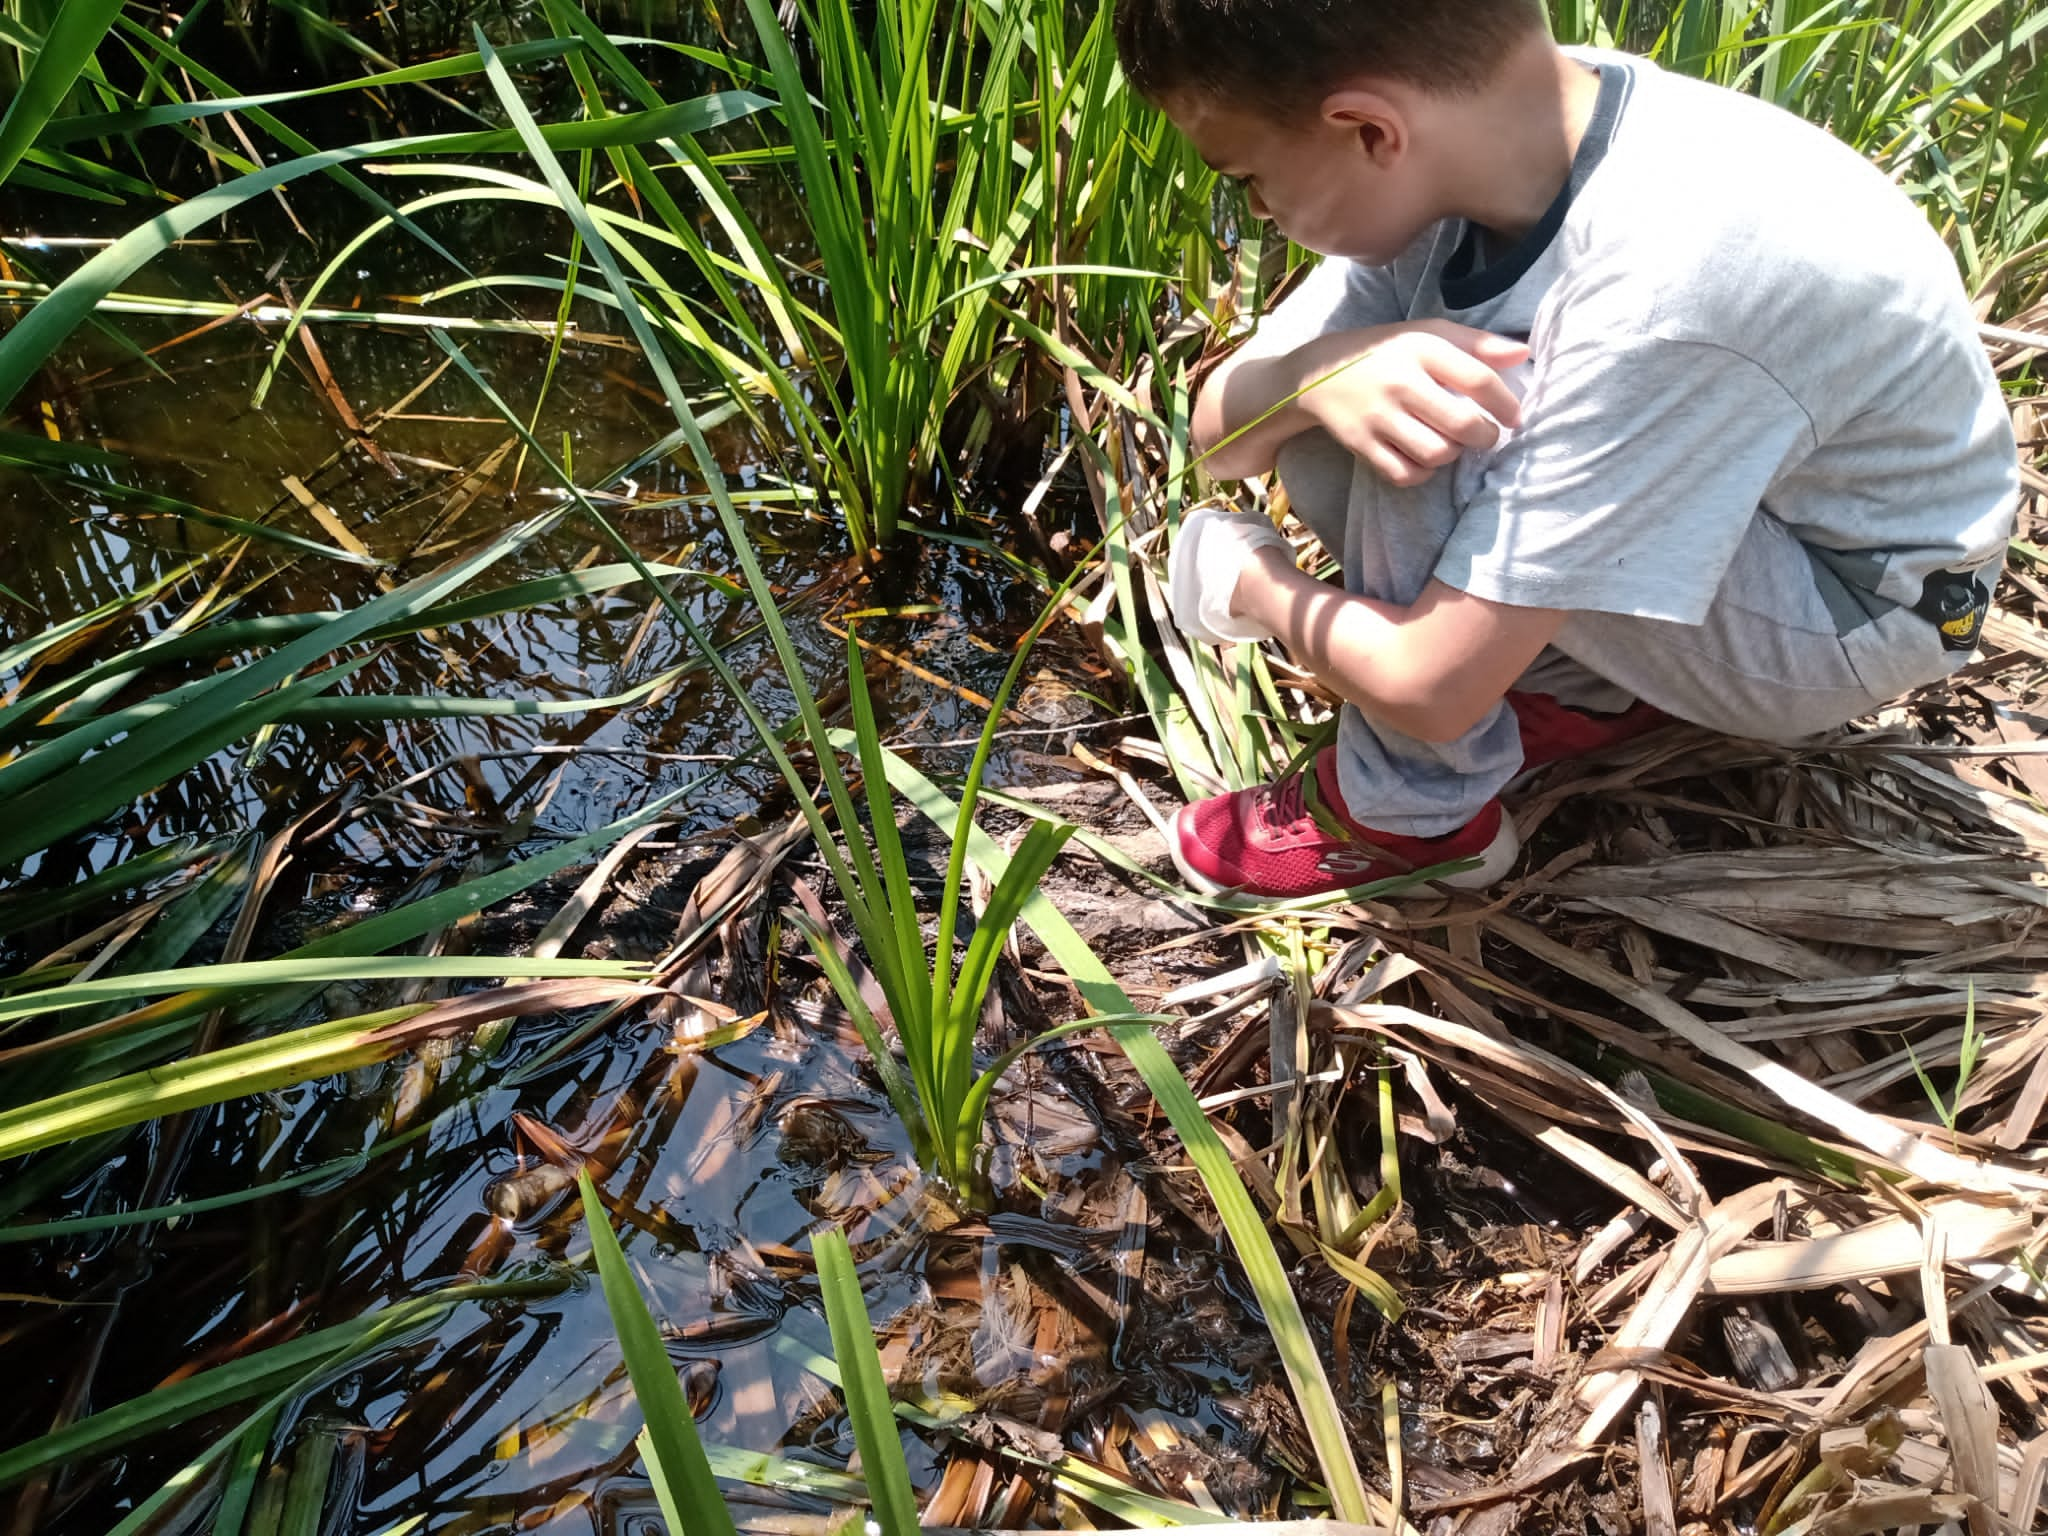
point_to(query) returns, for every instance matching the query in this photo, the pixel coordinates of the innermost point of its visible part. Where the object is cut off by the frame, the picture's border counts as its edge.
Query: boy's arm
(1430, 670)
(1407, 399)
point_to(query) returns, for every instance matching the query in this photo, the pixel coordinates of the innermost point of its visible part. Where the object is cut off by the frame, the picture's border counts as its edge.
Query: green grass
(67, 50)
(956, 268)
(1967, 1051)
(1950, 97)
(295, 1056)
(946, 238)
(936, 1010)
(277, 1375)
(957, 272)
(863, 1386)
(675, 1458)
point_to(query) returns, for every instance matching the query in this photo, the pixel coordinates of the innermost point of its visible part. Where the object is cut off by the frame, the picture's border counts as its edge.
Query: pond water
(450, 476)
(515, 1413)
(717, 1163)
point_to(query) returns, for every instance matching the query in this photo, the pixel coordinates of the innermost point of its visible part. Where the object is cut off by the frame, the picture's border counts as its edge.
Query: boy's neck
(1505, 154)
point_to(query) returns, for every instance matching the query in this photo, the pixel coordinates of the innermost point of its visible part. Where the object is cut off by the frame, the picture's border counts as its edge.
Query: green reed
(669, 1445)
(1950, 97)
(863, 1386)
(63, 54)
(936, 1009)
(946, 236)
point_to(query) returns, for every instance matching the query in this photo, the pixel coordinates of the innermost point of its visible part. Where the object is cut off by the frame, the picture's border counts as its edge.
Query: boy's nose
(1256, 204)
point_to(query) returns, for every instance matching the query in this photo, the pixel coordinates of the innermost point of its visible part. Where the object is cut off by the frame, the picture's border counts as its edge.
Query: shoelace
(1283, 807)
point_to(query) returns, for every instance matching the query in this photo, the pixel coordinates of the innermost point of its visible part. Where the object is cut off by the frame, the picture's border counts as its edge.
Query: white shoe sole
(1495, 860)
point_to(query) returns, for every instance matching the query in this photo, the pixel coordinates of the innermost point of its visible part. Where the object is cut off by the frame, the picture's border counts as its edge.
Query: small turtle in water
(814, 1135)
(1048, 700)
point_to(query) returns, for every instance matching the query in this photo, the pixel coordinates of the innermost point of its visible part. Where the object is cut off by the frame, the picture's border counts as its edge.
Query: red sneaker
(1552, 731)
(1296, 838)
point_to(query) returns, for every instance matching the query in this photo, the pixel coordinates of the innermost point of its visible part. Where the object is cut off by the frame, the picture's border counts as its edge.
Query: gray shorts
(1779, 657)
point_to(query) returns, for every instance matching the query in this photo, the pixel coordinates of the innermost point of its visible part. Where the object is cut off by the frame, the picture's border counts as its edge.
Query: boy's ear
(1378, 122)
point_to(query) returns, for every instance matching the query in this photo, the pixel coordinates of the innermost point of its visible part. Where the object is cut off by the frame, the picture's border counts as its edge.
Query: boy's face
(1341, 183)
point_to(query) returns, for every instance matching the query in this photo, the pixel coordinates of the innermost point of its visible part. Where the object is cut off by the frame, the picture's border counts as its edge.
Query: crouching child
(1619, 396)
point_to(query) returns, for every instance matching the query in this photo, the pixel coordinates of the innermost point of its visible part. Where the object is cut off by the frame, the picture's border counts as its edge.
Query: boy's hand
(1410, 399)
(1407, 399)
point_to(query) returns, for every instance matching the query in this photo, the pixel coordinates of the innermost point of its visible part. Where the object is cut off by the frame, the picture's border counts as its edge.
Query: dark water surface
(515, 1414)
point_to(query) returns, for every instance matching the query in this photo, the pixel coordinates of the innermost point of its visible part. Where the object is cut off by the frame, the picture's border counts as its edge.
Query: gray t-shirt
(1731, 315)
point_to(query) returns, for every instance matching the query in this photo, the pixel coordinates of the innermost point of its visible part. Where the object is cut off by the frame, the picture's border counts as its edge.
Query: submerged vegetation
(903, 284)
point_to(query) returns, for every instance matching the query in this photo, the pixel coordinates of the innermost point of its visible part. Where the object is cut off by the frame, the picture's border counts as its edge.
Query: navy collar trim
(1464, 283)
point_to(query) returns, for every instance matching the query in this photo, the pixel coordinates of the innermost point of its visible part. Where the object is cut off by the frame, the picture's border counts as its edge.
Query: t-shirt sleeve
(1337, 295)
(1638, 467)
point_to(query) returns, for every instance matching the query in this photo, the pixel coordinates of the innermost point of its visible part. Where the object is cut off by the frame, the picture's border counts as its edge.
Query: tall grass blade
(833, 202)
(251, 634)
(862, 1386)
(903, 1093)
(21, 911)
(298, 972)
(28, 648)
(682, 1475)
(909, 957)
(281, 1365)
(67, 49)
(259, 1066)
(57, 788)
(306, 1494)
(25, 347)
(251, 1452)
(1042, 844)
(110, 125)
(328, 1173)
(159, 739)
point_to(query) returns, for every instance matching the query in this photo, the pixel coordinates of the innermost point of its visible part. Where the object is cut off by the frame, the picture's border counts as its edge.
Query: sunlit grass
(957, 272)
(1949, 97)
(864, 1387)
(675, 1457)
(947, 238)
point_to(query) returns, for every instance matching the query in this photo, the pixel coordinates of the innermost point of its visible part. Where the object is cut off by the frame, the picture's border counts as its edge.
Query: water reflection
(718, 1163)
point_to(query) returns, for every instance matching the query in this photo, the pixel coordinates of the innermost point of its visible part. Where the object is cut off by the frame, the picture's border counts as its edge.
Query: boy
(1761, 478)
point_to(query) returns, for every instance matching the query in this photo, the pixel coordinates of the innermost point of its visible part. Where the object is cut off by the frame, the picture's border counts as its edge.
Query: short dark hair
(1280, 51)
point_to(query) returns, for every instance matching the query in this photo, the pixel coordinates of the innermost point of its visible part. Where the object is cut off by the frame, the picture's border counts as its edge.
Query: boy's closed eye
(1235, 178)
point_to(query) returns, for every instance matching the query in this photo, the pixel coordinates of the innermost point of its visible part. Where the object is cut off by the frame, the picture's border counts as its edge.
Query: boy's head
(1314, 104)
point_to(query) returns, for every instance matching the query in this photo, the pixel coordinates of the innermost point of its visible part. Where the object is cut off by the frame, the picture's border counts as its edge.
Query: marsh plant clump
(723, 361)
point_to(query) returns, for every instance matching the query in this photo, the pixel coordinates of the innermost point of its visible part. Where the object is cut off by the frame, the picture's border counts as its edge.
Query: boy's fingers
(1467, 375)
(1419, 442)
(1461, 421)
(1374, 449)
(1499, 351)
(1398, 469)
(1491, 348)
